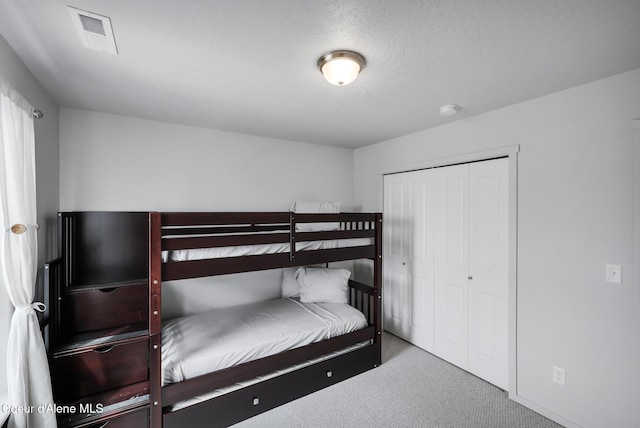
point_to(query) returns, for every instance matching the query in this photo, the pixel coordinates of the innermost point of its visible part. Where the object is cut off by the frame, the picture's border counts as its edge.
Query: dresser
(99, 343)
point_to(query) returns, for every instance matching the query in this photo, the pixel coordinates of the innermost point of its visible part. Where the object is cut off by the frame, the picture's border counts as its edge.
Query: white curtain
(28, 379)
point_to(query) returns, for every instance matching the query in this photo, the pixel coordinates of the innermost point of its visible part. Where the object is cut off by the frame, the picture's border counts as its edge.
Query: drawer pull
(108, 290)
(103, 349)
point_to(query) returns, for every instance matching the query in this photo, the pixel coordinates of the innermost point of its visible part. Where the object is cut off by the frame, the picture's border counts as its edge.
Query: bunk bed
(342, 332)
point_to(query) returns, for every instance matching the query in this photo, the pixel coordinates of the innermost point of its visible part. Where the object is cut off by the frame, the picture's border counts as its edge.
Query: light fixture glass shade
(341, 67)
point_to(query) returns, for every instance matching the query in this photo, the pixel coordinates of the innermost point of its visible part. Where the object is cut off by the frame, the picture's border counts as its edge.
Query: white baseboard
(544, 412)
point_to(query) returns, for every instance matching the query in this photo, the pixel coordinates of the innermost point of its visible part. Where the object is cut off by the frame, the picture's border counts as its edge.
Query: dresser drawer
(94, 370)
(105, 308)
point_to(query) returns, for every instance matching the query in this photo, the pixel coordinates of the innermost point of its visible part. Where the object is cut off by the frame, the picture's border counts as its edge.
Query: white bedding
(214, 340)
(251, 250)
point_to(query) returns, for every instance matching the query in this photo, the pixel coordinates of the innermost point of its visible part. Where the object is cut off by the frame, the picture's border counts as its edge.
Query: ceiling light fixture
(341, 67)
(449, 109)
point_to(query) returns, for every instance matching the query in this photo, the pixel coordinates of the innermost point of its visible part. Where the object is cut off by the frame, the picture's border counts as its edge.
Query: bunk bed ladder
(155, 320)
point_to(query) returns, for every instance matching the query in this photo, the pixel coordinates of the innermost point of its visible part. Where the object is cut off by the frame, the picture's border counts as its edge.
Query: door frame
(510, 152)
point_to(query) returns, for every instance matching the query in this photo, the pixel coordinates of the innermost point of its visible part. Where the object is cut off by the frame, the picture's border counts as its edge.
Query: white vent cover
(94, 30)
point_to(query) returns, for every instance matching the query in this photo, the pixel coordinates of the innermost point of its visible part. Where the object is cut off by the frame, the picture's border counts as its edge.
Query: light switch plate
(613, 274)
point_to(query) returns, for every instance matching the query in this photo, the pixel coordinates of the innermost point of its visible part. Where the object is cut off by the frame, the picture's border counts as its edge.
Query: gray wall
(12, 70)
(575, 214)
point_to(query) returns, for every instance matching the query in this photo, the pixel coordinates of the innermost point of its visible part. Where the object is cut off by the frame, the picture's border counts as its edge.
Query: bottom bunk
(225, 366)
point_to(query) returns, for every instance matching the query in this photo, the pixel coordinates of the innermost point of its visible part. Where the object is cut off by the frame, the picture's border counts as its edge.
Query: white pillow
(304, 207)
(315, 207)
(290, 285)
(323, 285)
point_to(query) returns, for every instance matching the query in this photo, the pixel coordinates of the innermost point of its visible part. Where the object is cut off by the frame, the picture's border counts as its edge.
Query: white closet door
(451, 265)
(396, 248)
(445, 264)
(488, 259)
(422, 188)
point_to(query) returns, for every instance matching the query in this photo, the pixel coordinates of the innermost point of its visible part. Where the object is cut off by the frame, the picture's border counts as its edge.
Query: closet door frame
(510, 152)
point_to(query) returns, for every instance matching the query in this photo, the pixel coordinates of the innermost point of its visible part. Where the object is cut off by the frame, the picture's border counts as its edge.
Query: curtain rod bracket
(37, 114)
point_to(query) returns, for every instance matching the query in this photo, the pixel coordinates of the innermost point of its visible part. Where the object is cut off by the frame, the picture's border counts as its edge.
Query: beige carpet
(411, 388)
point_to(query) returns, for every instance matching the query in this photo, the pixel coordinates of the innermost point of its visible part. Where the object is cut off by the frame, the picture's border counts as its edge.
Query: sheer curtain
(28, 378)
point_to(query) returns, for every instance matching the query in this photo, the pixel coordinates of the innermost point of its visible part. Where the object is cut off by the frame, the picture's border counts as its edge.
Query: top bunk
(197, 244)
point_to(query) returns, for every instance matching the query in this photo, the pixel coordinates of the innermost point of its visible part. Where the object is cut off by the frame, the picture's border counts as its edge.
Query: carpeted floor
(411, 388)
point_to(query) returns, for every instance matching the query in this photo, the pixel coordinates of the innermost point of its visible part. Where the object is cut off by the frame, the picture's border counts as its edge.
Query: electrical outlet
(558, 375)
(613, 274)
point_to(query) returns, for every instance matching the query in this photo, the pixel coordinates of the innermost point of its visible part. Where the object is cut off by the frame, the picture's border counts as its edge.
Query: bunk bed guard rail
(271, 239)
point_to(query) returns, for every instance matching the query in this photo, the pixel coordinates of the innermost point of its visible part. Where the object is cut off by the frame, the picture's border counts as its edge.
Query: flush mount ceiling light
(449, 109)
(341, 67)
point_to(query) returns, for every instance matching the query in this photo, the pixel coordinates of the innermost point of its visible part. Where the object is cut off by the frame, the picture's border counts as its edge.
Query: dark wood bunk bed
(81, 345)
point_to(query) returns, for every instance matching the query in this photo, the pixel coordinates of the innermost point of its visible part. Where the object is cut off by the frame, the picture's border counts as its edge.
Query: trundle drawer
(137, 419)
(98, 369)
(104, 308)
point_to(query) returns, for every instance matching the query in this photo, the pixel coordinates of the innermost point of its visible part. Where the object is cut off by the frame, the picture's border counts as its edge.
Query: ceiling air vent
(94, 30)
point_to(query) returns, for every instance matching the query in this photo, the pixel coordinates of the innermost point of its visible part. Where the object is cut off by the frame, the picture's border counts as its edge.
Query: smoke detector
(94, 30)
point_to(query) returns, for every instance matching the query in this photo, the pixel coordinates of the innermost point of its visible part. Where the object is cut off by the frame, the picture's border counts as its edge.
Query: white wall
(110, 162)
(575, 214)
(12, 70)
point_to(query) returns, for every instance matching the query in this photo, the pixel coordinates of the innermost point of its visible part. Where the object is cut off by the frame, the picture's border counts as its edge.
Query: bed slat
(213, 230)
(222, 218)
(333, 255)
(332, 218)
(340, 234)
(223, 241)
(198, 268)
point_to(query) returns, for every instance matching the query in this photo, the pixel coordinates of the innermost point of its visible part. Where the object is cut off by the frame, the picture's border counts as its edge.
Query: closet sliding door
(446, 288)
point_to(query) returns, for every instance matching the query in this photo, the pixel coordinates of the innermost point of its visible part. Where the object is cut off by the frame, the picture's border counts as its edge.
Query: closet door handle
(469, 277)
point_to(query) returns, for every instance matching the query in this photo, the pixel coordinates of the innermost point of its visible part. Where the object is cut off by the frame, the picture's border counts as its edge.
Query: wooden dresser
(99, 334)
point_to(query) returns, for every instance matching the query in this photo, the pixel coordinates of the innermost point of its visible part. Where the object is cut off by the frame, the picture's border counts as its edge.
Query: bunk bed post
(377, 285)
(292, 237)
(155, 320)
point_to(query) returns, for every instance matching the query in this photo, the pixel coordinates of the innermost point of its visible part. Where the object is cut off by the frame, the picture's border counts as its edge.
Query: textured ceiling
(249, 66)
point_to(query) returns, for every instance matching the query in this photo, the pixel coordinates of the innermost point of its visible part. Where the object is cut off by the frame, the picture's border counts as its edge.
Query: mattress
(221, 338)
(252, 250)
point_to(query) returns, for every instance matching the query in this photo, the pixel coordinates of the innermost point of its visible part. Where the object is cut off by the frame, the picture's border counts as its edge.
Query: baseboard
(544, 412)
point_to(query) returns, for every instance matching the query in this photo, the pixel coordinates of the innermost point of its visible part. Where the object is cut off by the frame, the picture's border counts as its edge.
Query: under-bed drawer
(136, 419)
(93, 370)
(103, 308)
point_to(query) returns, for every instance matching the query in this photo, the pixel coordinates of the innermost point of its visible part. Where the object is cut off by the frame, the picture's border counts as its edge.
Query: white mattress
(252, 250)
(214, 340)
